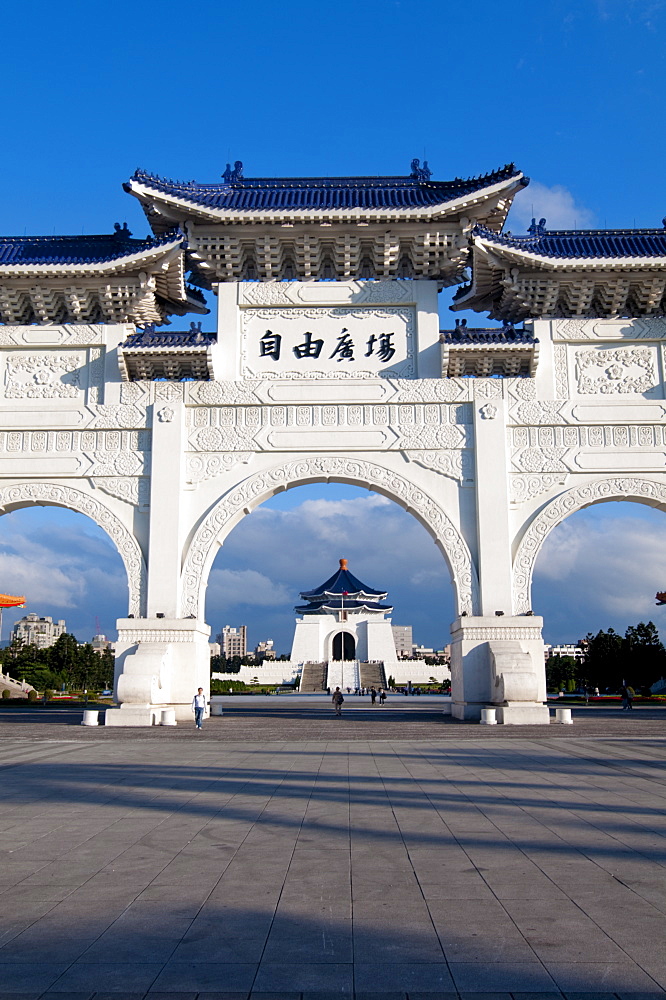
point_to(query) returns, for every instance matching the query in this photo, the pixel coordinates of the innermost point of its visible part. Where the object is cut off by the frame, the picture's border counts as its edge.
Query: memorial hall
(329, 364)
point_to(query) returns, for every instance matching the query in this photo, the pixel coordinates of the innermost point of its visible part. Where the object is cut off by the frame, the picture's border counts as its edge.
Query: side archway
(228, 511)
(641, 490)
(48, 494)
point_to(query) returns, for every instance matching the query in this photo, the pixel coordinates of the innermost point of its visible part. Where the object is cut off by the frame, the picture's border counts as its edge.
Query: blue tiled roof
(322, 193)
(342, 582)
(583, 243)
(24, 251)
(167, 338)
(337, 604)
(489, 335)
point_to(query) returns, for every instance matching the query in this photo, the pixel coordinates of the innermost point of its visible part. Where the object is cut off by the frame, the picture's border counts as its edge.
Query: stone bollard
(90, 717)
(168, 717)
(488, 716)
(216, 705)
(563, 715)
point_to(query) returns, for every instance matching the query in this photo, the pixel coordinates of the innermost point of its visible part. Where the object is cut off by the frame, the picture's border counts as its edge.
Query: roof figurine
(343, 591)
(236, 174)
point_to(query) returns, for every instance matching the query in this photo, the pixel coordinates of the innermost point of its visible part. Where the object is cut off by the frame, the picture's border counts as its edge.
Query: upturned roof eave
(438, 212)
(547, 262)
(118, 264)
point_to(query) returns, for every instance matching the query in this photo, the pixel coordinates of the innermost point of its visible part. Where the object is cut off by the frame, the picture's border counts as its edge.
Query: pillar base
(523, 714)
(497, 662)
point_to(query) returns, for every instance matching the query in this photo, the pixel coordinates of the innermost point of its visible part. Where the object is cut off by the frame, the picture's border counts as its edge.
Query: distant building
(35, 631)
(402, 636)
(264, 650)
(101, 644)
(564, 649)
(233, 641)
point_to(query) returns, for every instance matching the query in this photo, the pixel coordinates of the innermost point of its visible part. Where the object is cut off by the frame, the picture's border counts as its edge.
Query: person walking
(382, 696)
(373, 696)
(628, 695)
(337, 700)
(199, 707)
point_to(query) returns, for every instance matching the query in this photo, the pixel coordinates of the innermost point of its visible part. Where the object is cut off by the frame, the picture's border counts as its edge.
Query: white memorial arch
(329, 366)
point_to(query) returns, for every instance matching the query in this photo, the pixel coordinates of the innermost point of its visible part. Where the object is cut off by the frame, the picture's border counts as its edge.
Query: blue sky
(573, 92)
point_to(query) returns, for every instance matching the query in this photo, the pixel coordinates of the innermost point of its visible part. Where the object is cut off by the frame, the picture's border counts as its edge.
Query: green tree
(645, 655)
(560, 671)
(605, 659)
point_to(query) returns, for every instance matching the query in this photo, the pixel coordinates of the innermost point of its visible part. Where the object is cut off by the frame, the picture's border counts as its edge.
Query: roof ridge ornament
(235, 174)
(537, 228)
(420, 173)
(121, 230)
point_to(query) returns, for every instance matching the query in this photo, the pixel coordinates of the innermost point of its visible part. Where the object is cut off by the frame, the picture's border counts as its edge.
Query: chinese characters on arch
(344, 349)
(326, 340)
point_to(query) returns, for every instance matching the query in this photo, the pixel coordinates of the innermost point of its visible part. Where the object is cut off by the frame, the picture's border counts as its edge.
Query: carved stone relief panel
(44, 376)
(78, 334)
(201, 466)
(433, 390)
(215, 393)
(488, 388)
(643, 328)
(618, 371)
(522, 388)
(96, 375)
(453, 464)
(527, 487)
(561, 371)
(135, 491)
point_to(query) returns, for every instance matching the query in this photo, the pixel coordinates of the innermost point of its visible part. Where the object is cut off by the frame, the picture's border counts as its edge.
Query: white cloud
(601, 568)
(556, 204)
(246, 586)
(66, 566)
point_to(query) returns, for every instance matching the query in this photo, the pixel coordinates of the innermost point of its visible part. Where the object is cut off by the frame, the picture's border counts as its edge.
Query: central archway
(240, 501)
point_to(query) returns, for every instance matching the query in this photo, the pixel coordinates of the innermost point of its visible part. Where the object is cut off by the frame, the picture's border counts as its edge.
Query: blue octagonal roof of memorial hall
(343, 591)
(241, 194)
(581, 243)
(56, 251)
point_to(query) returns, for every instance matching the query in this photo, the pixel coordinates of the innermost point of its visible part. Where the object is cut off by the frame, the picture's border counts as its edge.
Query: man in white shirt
(199, 707)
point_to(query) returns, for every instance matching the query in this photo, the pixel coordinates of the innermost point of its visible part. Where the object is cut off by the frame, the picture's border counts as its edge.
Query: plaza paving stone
(278, 855)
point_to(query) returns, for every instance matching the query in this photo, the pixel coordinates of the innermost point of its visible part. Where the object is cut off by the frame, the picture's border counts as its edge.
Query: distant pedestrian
(628, 695)
(337, 700)
(199, 707)
(382, 696)
(373, 696)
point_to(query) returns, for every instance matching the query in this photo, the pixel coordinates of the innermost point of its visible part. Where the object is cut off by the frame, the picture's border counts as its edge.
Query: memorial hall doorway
(344, 647)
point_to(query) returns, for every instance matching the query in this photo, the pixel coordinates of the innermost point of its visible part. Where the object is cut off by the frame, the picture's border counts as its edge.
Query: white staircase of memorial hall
(343, 674)
(313, 677)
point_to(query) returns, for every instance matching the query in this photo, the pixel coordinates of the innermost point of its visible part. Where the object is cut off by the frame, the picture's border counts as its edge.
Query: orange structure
(7, 601)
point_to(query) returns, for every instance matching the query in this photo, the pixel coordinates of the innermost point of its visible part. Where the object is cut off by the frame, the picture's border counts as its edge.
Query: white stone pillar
(492, 504)
(496, 659)
(166, 497)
